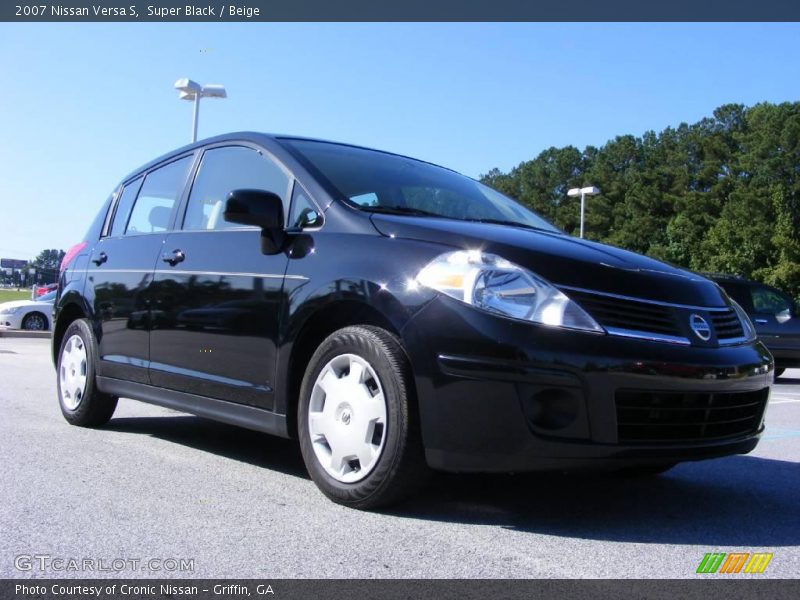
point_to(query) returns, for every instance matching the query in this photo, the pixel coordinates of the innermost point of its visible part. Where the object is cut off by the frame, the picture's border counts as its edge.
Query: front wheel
(81, 402)
(357, 419)
(34, 321)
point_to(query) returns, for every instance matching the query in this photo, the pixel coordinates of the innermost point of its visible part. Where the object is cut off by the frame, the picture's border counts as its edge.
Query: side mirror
(255, 207)
(262, 209)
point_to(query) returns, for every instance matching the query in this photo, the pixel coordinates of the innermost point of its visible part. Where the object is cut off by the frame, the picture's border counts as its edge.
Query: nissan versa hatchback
(395, 317)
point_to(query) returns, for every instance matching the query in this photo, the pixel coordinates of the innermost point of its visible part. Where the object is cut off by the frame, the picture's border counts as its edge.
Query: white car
(33, 315)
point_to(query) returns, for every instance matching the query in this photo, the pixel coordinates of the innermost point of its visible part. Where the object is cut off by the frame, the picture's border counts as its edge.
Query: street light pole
(196, 116)
(583, 207)
(190, 90)
(583, 192)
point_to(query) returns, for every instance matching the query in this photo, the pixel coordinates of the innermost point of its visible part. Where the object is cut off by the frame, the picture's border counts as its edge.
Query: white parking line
(781, 401)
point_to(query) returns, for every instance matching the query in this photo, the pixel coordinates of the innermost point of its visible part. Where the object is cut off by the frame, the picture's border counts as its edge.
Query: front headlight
(493, 284)
(747, 325)
(11, 311)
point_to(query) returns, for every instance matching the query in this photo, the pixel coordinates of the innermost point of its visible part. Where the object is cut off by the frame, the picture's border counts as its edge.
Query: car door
(774, 315)
(121, 268)
(216, 296)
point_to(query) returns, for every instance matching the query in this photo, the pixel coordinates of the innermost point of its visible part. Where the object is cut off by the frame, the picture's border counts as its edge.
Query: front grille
(664, 417)
(628, 314)
(727, 325)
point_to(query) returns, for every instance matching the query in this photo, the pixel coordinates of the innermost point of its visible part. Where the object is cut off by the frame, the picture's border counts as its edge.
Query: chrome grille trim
(647, 336)
(630, 320)
(644, 300)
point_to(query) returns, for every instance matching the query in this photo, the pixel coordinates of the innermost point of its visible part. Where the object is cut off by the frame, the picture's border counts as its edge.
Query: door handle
(101, 258)
(762, 321)
(174, 257)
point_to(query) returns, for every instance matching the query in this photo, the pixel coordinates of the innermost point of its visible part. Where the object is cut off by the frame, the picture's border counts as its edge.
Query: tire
(35, 321)
(646, 470)
(368, 413)
(779, 372)
(81, 402)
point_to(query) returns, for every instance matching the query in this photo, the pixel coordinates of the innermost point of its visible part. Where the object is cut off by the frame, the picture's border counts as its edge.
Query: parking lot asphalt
(157, 484)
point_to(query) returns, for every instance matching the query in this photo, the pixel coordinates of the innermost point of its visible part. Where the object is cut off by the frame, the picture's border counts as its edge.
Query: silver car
(33, 315)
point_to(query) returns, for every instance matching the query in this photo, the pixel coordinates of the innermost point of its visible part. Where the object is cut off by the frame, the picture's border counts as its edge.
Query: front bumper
(11, 321)
(501, 395)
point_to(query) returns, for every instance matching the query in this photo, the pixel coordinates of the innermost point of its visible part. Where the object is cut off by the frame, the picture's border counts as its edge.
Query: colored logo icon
(734, 562)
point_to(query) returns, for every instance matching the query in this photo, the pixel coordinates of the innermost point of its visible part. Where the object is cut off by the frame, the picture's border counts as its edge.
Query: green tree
(48, 260)
(721, 194)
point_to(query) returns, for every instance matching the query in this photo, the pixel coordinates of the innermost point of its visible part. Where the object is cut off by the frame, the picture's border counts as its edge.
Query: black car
(775, 314)
(395, 316)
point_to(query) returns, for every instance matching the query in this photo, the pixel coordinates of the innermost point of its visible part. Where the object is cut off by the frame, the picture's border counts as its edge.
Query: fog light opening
(552, 409)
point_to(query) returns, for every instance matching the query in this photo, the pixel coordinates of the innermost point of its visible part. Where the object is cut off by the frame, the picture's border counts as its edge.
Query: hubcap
(347, 418)
(34, 323)
(72, 372)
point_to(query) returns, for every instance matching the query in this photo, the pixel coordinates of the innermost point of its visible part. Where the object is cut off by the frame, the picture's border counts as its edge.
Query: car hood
(18, 303)
(563, 260)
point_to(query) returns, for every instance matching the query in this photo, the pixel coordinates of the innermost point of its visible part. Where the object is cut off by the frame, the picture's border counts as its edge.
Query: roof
(265, 139)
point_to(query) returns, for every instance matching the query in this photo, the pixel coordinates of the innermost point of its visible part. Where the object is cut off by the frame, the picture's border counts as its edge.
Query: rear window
(157, 198)
(123, 210)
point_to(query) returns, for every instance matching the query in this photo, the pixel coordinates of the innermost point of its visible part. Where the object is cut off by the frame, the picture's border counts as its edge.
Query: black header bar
(706, 588)
(400, 10)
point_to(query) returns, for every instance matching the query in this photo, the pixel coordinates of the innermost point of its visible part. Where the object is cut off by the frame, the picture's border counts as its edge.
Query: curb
(18, 333)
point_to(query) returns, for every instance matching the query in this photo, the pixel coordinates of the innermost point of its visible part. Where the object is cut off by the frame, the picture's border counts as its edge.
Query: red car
(41, 290)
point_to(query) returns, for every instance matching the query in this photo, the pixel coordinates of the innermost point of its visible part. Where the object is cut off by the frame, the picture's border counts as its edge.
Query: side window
(157, 198)
(769, 302)
(368, 199)
(124, 205)
(223, 170)
(304, 212)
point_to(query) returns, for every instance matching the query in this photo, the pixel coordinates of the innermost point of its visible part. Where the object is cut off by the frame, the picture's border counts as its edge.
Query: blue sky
(84, 104)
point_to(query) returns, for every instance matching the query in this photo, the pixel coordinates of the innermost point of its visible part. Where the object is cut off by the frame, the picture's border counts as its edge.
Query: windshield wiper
(510, 223)
(408, 210)
(399, 210)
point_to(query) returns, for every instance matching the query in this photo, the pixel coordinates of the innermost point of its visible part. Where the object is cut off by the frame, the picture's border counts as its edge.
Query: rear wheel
(34, 321)
(357, 421)
(81, 402)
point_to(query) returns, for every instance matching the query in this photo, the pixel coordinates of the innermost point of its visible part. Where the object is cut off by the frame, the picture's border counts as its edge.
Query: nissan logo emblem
(700, 327)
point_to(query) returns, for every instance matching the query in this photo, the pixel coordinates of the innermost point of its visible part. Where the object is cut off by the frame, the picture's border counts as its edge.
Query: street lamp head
(194, 92)
(213, 90)
(583, 192)
(587, 191)
(187, 86)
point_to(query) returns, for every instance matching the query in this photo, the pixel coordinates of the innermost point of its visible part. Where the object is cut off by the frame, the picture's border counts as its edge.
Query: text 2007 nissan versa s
(395, 316)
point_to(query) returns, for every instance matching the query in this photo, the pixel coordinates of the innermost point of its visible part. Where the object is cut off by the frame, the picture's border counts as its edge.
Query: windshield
(380, 182)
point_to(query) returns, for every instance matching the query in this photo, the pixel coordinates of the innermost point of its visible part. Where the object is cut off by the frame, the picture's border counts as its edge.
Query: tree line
(720, 195)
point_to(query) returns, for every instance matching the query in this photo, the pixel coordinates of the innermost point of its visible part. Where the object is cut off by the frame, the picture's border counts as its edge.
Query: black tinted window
(223, 170)
(768, 301)
(124, 205)
(157, 198)
(375, 180)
